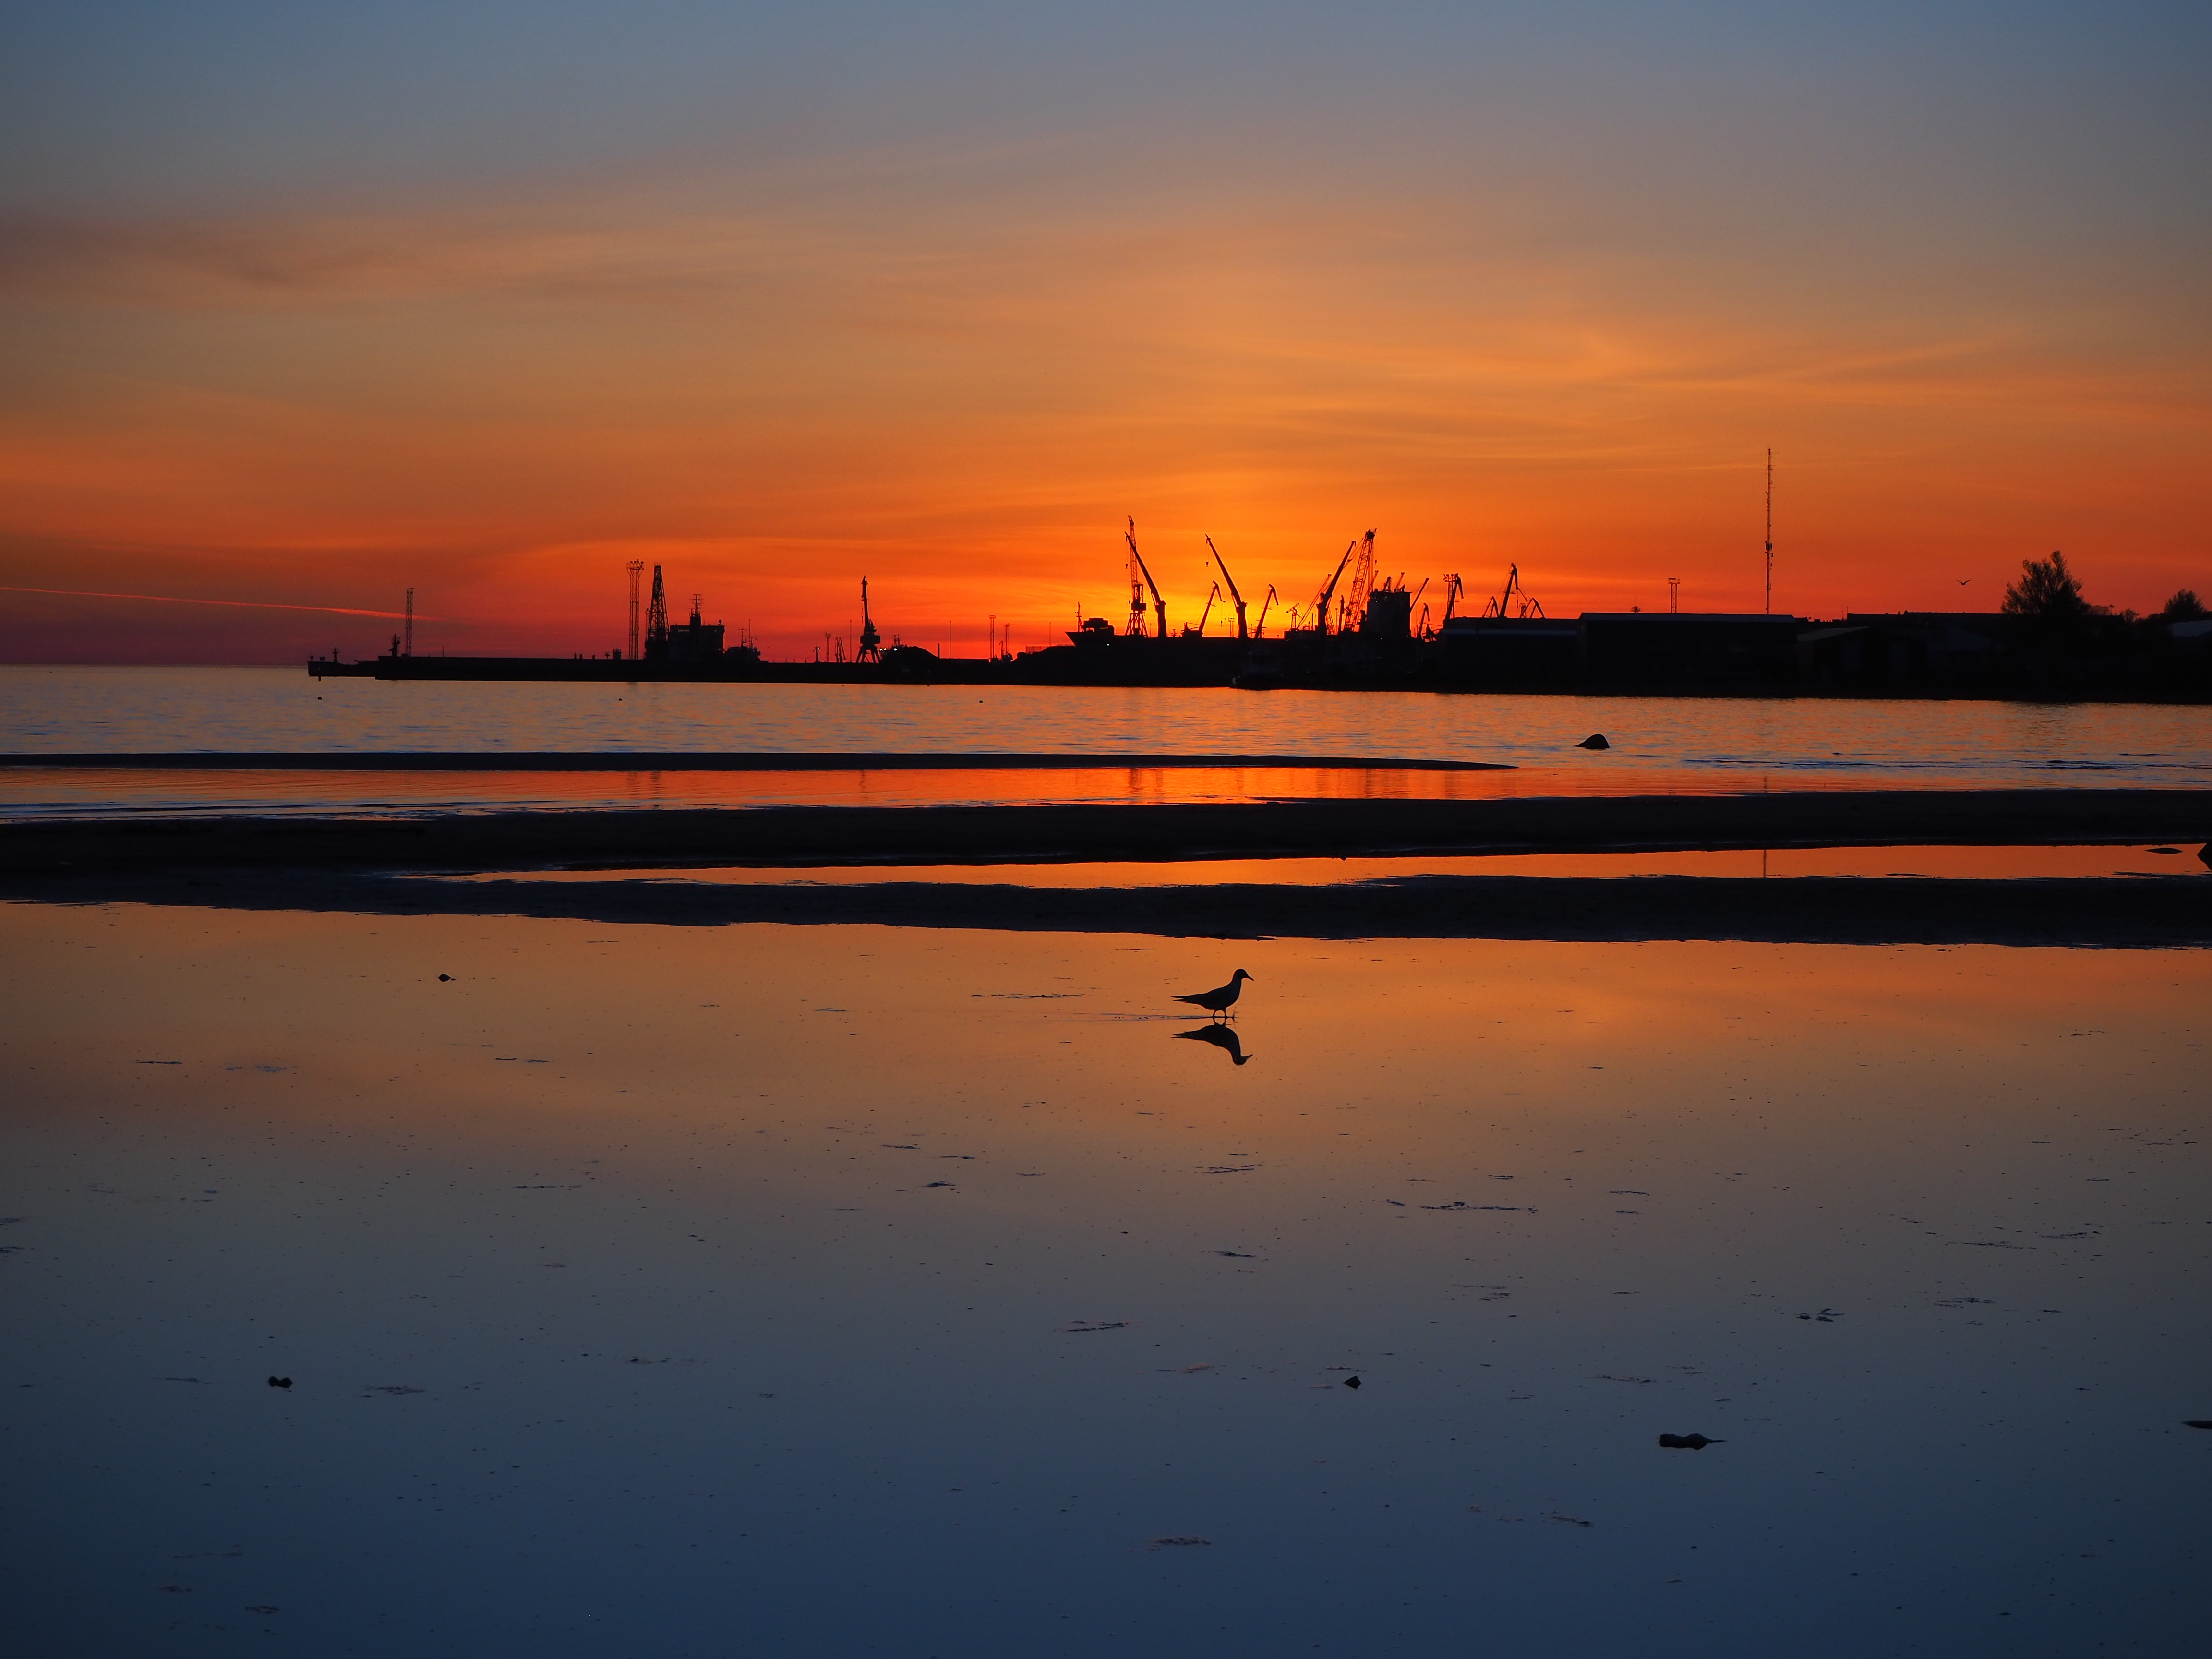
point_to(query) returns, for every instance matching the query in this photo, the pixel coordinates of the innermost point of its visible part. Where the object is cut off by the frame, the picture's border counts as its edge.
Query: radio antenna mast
(1770, 532)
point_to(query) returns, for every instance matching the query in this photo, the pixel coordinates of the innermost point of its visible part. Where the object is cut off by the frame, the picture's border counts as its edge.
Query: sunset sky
(302, 304)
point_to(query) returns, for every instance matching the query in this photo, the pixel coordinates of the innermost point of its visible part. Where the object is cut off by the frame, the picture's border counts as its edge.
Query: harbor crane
(1199, 632)
(872, 643)
(1363, 584)
(1138, 567)
(1260, 630)
(1235, 597)
(1454, 590)
(1421, 632)
(1329, 588)
(1504, 604)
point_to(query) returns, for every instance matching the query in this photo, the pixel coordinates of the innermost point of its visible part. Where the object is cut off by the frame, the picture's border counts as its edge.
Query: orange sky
(1516, 304)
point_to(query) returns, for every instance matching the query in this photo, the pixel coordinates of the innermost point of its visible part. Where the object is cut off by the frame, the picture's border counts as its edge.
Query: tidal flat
(853, 1289)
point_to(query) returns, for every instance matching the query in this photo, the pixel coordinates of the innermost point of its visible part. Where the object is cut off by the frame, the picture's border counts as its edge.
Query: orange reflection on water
(1947, 863)
(853, 1221)
(65, 791)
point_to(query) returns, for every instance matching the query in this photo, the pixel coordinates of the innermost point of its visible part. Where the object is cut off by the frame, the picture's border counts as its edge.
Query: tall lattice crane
(1138, 569)
(872, 643)
(1363, 584)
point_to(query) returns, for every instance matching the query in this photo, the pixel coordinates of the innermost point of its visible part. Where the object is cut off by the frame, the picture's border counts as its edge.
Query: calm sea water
(848, 1290)
(1699, 744)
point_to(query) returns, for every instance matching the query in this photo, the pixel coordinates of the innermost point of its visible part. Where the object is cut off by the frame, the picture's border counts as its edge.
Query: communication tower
(1673, 595)
(1770, 532)
(636, 569)
(410, 648)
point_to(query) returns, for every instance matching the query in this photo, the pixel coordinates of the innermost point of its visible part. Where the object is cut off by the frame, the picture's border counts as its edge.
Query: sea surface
(1659, 745)
(857, 1290)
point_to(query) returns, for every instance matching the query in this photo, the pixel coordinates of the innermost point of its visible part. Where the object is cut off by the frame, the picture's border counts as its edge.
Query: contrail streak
(239, 604)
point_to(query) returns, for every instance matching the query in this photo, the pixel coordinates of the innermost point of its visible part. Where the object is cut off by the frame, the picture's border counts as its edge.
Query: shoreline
(799, 837)
(612, 760)
(391, 866)
(2145, 912)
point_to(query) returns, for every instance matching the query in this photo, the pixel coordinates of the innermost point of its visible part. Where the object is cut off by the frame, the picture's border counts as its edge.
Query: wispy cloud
(233, 605)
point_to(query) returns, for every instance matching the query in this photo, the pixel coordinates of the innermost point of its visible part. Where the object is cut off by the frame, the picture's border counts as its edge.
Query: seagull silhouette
(1220, 1000)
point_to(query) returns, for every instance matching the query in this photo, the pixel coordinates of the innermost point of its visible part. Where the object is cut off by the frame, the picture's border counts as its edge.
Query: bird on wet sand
(1221, 999)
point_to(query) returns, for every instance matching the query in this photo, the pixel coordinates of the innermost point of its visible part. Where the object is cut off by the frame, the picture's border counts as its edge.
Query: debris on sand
(443, 979)
(1595, 740)
(391, 1387)
(1687, 1442)
(1570, 1520)
(280, 1381)
(1351, 1382)
(1077, 1325)
(1185, 1540)
(2196, 1422)
(264, 1609)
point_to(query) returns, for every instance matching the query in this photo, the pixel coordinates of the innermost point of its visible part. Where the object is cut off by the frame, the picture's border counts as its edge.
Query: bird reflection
(1222, 1037)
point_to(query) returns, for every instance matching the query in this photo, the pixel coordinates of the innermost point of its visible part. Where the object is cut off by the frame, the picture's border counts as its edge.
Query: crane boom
(1212, 594)
(1262, 626)
(1136, 599)
(1235, 597)
(1328, 589)
(1363, 583)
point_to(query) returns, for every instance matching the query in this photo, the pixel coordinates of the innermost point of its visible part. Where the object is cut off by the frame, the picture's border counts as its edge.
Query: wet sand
(797, 837)
(377, 867)
(2152, 912)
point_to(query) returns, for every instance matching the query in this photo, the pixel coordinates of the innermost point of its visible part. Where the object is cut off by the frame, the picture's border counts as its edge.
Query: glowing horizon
(779, 305)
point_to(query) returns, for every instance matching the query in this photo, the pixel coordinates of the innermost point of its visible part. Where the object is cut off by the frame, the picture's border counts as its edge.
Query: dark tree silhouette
(2047, 592)
(2183, 606)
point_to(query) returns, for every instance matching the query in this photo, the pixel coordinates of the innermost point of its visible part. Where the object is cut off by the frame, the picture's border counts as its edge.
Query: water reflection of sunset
(900, 1237)
(38, 792)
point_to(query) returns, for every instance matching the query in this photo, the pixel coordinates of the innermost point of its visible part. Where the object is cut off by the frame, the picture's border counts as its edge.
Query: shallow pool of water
(843, 1289)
